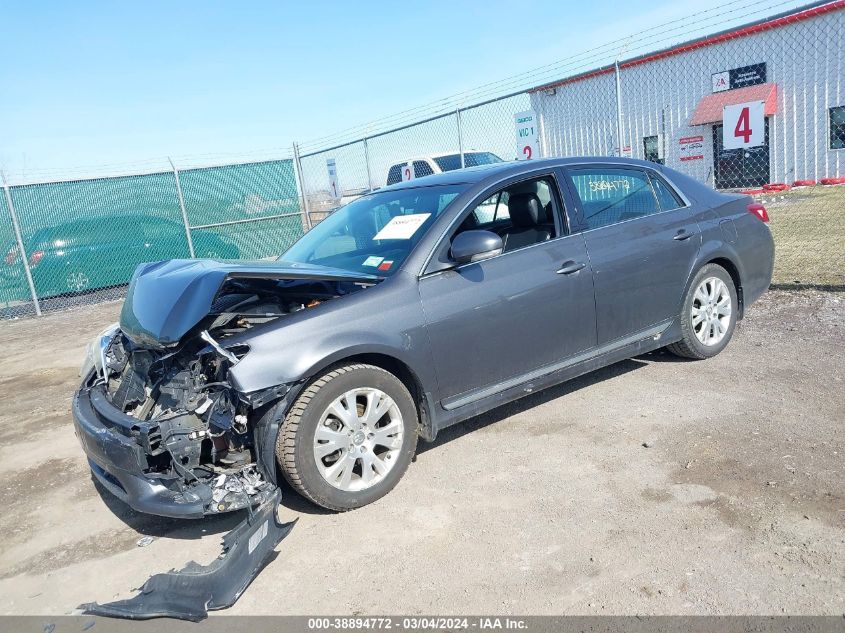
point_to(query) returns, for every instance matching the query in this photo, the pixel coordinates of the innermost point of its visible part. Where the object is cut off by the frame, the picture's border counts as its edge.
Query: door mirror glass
(473, 246)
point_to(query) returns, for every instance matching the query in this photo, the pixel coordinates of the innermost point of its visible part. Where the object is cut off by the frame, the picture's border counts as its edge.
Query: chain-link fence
(79, 241)
(759, 107)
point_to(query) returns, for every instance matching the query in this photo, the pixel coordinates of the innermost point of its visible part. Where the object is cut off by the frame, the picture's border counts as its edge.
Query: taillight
(11, 256)
(759, 210)
(35, 257)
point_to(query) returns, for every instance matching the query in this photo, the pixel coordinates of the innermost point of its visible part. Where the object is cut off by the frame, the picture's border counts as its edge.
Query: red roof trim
(709, 109)
(701, 43)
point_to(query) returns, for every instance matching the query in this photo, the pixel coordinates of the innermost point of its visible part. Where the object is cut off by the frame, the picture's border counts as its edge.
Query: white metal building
(672, 102)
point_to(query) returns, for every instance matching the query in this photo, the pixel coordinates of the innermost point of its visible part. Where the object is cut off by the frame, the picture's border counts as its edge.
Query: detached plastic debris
(190, 593)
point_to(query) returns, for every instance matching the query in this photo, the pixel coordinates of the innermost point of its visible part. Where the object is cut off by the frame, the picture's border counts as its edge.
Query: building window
(651, 149)
(837, 127)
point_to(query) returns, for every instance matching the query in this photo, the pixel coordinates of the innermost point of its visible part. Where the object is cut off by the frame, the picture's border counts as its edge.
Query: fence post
(19, 240)
(541, 128)
(184, 212)
(460, 136)
(619, 141)
(367, 160)
(297, 166)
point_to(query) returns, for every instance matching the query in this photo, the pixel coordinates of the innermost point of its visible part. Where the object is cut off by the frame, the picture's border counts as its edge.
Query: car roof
(471, 175)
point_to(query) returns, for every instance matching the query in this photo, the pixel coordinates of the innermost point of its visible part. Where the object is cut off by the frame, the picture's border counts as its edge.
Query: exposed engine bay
(197, 431)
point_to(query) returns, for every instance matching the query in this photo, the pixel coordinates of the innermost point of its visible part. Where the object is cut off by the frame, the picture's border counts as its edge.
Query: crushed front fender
(188, 594)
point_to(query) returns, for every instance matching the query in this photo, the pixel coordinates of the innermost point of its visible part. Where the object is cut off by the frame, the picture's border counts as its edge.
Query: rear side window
(665, 196)
(609, 196)
(422, 168)
(471, 159)
(474, 159)
(449, 163)
(394, 175)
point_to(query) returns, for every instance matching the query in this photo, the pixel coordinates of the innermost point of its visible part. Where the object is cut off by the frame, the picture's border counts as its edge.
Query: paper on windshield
(402, 227)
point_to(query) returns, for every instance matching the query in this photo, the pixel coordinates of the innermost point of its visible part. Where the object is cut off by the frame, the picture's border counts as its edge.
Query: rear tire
(349, 437)
(708, 314)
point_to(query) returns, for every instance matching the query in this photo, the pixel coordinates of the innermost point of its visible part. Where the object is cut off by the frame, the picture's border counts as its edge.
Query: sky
(97, 84)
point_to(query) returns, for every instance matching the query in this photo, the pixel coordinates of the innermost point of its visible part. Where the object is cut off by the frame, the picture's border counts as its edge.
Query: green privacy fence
(82, 239)
(254, 207)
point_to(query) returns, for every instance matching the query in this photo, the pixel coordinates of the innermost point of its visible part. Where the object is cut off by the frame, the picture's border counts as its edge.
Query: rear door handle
(570, 267)
(682, 235)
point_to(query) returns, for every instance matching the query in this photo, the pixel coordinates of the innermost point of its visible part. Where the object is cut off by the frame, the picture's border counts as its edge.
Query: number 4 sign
(743, 125)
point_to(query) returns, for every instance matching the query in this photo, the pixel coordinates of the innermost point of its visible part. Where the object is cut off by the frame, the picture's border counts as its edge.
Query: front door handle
(570, 267)
(682, 235)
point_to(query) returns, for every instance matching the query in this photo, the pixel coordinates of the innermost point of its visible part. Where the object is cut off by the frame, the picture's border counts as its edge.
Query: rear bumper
(762, 255)
(118, 462)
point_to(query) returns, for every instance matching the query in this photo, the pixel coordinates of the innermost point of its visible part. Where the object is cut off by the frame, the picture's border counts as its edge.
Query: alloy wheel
(711, 311)
(358, 439)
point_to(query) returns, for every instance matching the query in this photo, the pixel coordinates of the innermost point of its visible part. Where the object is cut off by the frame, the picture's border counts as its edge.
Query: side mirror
(473, 246)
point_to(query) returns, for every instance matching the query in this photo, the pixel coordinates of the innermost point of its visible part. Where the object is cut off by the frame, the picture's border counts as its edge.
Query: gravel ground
(655, 486)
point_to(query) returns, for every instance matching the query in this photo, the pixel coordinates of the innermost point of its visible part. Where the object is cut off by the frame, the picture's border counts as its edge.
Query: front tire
(349, 437)
(708, 314)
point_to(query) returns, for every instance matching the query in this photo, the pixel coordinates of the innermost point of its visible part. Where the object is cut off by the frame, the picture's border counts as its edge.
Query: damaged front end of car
(165, 427)
(194, 433)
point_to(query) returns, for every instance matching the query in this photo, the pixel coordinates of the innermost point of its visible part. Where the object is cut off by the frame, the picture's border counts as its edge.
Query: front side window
(837, 127)
(375, 233)
(522, 214)
(609, 196)
(491, 211)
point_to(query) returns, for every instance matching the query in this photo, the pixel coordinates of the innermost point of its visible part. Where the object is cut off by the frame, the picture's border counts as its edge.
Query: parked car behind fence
(89, 254)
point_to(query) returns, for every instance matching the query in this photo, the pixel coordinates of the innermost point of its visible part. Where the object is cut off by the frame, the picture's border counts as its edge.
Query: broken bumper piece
(118, 448)
(190, 593)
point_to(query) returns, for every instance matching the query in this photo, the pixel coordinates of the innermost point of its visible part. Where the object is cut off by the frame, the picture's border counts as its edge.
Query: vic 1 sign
(527, 135)
(334, 188)
(743, 125)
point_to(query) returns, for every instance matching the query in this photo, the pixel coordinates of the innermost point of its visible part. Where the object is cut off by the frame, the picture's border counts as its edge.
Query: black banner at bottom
(522, 624)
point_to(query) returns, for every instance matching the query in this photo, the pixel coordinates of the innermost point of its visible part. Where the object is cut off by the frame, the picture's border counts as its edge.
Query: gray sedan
(408, 310)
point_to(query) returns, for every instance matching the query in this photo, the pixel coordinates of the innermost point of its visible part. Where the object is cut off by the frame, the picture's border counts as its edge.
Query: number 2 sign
(408, 171)
(743, 125)
(527, 135)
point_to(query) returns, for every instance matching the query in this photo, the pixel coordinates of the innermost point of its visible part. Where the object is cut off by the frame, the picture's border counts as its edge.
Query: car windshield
(373, 234)
(471, 159)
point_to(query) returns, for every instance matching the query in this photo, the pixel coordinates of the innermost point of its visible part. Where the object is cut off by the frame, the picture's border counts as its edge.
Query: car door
(492, 322)
(642, 243)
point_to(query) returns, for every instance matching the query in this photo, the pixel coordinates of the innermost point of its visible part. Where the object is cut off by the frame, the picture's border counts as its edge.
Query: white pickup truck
(437, 163)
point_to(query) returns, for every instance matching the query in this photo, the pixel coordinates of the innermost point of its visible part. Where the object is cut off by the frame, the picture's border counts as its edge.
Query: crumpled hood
(166, 299)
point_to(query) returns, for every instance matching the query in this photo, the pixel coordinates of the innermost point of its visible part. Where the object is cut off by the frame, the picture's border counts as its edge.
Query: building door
(739, 168)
